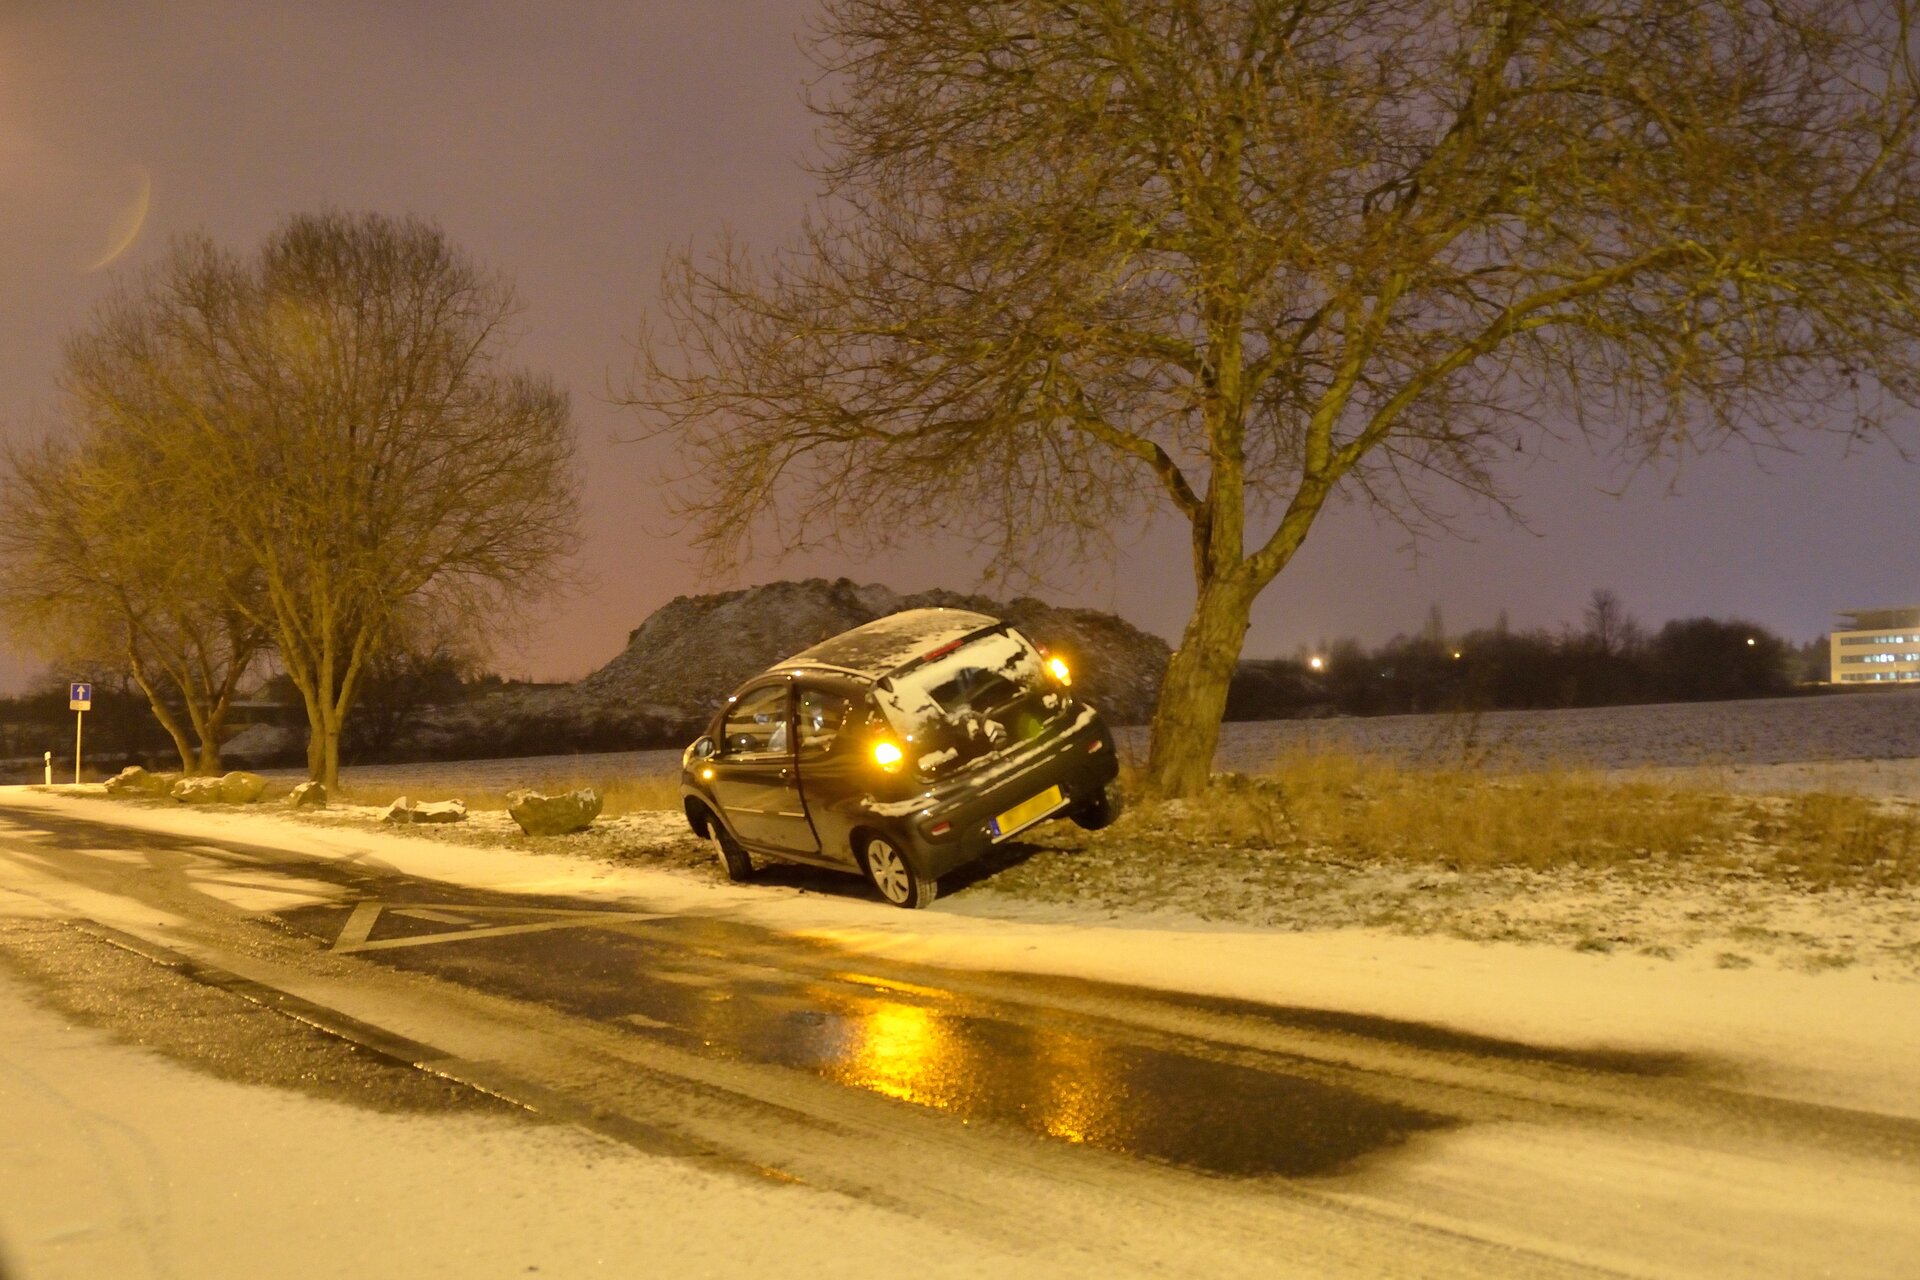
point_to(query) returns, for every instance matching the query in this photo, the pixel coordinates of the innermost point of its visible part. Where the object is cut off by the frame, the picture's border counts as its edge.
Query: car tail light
(1095, 747)
(940, 828)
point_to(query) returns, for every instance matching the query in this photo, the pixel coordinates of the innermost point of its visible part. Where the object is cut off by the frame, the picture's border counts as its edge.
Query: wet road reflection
(742, 992)
(972, 1058)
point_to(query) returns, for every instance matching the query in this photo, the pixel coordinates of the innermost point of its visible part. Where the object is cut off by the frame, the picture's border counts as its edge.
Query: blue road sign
(79, 696)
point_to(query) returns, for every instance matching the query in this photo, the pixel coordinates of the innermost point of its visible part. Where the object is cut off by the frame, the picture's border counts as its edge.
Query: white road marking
(358, 926)
(358, 929)
(428, 913)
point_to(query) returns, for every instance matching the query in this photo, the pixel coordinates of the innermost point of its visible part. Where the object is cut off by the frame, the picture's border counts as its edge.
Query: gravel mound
(689, 654)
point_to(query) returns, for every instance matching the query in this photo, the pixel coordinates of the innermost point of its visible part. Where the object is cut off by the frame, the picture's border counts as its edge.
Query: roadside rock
(135, 781)
(309, 795)
(197, 790)
(240, 787)
(544, 815)
(404, 810)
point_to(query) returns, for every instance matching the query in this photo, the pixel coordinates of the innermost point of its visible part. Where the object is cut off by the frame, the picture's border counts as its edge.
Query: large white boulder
(545, 815)
(404, 810)
(240, 787)
(197, 790)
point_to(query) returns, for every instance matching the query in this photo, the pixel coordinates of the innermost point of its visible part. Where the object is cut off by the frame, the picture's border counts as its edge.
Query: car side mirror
(702, 748)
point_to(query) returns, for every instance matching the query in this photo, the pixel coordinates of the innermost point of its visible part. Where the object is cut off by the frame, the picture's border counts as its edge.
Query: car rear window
(984, 695)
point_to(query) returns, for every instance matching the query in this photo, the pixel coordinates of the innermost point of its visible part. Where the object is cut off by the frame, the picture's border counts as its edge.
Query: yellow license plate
(1027, 811)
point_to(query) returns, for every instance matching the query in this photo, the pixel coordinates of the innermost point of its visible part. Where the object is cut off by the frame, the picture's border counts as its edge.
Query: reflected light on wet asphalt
(727, 991)
(973, 1059)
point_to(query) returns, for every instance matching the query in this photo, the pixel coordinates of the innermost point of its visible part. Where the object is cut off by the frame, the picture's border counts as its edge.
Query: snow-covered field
(1839, 730)
(1875, 725)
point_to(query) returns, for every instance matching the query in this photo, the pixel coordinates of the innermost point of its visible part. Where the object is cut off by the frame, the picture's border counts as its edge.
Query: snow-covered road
(1395, 1108)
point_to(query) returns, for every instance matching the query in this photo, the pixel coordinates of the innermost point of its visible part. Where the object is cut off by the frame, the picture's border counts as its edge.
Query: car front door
(753, 773)
(833, 771)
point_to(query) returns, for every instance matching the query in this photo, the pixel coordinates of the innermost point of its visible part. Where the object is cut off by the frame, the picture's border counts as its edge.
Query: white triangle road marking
(359, 926)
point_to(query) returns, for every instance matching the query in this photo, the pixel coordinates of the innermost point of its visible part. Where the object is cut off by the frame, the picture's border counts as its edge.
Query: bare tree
(339, 411)
(1609, 628)
(94, 558)
(1079, 260)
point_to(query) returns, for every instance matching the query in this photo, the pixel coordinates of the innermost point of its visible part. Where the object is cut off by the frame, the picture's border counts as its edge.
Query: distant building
(1879, 646)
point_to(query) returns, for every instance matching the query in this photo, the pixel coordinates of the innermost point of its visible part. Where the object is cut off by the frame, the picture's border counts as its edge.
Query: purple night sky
(571, 145)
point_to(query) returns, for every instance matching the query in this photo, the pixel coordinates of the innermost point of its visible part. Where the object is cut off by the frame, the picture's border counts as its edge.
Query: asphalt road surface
(1184, 1134)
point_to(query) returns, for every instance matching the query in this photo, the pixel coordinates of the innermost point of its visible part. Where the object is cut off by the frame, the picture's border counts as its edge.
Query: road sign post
(79, 701)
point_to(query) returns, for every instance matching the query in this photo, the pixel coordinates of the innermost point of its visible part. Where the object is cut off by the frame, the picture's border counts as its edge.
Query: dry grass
(1372, 811)
(619, 795)
(1824, 840)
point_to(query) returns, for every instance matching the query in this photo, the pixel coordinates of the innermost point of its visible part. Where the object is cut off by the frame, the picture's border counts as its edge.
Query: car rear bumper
(1080, 762)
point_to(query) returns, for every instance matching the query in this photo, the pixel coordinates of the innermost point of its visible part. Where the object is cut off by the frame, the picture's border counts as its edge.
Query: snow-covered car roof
(886, 644)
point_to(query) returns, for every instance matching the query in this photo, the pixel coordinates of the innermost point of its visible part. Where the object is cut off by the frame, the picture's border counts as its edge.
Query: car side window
(757, 723)
(821, 715)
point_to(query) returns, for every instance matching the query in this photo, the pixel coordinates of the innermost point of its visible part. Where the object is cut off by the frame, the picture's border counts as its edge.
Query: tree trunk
(330, 760)
(164, 714)
(1193, 697)
(316, 735)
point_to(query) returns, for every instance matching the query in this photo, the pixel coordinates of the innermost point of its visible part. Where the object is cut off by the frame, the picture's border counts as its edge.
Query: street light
(1317, 662)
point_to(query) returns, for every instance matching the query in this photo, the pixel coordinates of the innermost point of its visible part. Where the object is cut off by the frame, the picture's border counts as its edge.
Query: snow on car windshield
(961, 705)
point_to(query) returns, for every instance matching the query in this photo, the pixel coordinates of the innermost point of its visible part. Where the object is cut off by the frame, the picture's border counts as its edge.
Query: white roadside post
(49, 768)
(79, 701)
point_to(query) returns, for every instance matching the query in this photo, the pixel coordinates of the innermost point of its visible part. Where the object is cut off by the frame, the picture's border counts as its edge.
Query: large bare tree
(1076, 261)
(339, 411)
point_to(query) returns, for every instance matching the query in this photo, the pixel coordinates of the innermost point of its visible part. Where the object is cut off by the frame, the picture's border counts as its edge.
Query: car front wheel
(733, 859)
(894, 876)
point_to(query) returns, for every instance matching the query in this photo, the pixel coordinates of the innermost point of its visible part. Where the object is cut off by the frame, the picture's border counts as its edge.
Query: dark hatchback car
(899, 751)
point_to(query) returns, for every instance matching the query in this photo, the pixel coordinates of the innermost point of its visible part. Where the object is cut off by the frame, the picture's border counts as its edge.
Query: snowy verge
(1844, 1038)
(230, 1181)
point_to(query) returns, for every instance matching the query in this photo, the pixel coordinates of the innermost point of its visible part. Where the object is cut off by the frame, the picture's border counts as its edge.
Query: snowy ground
(119, 1164)
(1848, 1037)
(122, 1163)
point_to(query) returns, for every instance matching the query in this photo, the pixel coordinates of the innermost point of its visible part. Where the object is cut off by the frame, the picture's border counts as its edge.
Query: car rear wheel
(733, 859)
(894, 876)
(1100, 811)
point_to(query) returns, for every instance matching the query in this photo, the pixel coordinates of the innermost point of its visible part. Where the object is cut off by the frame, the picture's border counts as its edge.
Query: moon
(126, 224)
